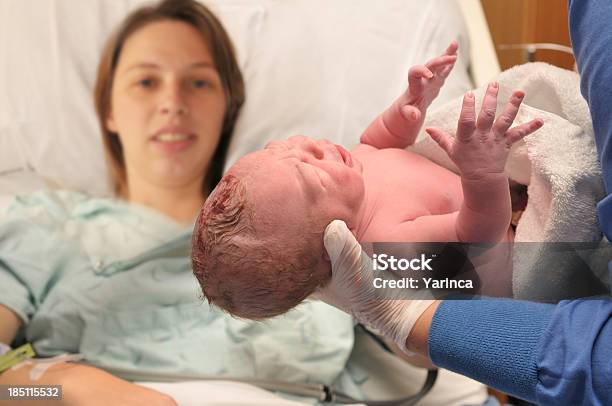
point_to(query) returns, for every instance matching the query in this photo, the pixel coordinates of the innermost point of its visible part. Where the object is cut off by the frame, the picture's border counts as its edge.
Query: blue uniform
(548, 354)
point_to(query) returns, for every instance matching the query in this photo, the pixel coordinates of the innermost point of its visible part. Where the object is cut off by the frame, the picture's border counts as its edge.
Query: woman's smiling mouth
(173, 139)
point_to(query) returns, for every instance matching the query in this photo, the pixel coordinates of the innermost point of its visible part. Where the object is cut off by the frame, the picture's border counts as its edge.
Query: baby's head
(258, 242)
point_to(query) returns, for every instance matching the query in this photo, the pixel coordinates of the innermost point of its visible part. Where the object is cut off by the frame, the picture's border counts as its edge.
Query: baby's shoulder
(369, 152)
(363, 150)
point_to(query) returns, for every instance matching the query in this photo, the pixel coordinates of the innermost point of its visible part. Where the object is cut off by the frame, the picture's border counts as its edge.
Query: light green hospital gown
(113, 282)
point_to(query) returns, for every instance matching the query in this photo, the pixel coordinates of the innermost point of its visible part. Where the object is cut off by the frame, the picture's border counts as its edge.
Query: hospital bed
(336, 65)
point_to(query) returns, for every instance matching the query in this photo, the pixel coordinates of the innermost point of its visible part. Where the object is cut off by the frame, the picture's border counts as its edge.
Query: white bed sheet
(219, 393)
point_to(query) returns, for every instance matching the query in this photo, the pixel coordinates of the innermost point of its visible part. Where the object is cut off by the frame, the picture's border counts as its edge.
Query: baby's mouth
(345, 155)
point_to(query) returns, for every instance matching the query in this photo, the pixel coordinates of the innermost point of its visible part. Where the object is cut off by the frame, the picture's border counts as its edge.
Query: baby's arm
(480, 150)
(398, 126)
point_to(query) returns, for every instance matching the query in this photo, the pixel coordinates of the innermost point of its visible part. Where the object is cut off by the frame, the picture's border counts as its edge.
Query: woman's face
(167, 106)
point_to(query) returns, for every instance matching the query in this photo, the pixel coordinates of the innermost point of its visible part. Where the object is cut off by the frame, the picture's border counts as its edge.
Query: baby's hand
(424, 84)
(481, 147)
(399, 125)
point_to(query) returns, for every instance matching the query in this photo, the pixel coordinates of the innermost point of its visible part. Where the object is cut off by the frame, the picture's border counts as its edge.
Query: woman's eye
(200, 84)
(146, 83)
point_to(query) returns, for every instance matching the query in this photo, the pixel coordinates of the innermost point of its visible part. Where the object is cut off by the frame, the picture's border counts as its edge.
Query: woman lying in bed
(111, 278)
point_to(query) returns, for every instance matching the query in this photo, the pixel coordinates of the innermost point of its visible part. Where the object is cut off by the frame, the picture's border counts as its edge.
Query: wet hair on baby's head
(245, 273)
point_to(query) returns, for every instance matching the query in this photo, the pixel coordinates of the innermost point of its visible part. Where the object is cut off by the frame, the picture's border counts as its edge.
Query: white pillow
(317, 67)
(326, 69)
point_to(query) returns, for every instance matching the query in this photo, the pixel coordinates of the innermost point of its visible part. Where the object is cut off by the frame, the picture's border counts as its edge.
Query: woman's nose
(173, 101)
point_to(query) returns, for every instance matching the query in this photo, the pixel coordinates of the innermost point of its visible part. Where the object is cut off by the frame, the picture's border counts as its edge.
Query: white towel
(560, 166)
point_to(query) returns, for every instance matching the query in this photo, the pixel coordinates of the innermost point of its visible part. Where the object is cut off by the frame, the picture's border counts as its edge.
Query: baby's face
(299, 185)
(263, 225)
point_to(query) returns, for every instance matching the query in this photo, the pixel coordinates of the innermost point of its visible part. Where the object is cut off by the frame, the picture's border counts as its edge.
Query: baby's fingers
(448, 57)
(441, 62)
(521, 131)
(452, 48)
(441, 137)
(446, 70)
(467, 118)
(489, 106)
(505, 120)
(443, 65)
(415, 74)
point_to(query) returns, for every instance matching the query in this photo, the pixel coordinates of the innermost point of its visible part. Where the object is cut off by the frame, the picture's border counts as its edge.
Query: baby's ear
(326, 255)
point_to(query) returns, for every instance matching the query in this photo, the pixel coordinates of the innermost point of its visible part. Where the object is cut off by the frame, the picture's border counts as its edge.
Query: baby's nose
(329, 148)
(311, 146)
(317, 151)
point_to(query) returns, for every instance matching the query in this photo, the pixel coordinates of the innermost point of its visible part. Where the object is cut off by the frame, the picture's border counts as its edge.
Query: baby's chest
(406, 185)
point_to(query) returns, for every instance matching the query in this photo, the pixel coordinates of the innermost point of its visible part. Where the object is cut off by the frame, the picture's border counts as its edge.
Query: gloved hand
(351, 289)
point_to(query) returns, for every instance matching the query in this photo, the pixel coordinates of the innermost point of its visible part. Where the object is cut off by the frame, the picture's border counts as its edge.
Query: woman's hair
(220, 45)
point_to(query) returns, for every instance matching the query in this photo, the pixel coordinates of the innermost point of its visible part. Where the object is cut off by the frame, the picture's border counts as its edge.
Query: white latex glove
(351, 289)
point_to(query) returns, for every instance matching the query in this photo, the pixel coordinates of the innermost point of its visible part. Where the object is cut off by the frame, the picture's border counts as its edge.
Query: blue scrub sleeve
(494, 341)
(575, 353)
(591, 33)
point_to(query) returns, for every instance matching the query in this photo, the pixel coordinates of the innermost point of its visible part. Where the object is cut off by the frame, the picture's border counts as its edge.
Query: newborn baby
(258, 242)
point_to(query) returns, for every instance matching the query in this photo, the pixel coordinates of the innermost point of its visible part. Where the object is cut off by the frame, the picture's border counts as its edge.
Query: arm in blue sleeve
(591, 32)
(493, 341)
(543, 353)
(574, 355)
